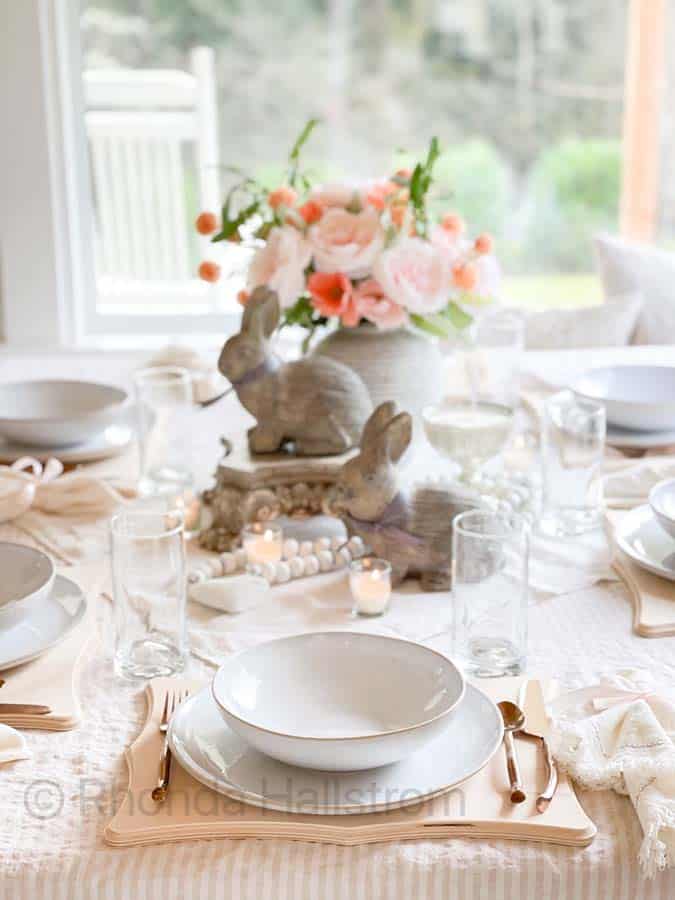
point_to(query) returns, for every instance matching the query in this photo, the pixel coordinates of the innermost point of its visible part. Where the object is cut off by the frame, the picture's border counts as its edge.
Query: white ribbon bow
(27, 483)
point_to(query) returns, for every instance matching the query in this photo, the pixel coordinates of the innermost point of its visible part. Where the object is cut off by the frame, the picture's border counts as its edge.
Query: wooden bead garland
(300, 560)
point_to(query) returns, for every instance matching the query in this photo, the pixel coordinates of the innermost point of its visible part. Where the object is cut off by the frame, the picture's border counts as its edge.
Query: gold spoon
(514, 719)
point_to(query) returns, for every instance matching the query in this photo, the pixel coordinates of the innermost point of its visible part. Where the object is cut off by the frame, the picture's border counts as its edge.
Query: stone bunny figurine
(413, 532)
(318, 404)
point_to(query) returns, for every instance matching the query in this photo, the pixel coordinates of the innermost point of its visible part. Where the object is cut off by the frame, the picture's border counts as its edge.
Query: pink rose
(415, 275)
(341, 195)
(373, 304)
(347, 242)
(281, 264)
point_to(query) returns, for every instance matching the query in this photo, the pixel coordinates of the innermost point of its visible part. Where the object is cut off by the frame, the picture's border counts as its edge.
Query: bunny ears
(386, 434)
(261, 313)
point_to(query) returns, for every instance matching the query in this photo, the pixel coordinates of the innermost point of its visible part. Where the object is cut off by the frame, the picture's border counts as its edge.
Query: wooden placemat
(479, 808)
(653, 598)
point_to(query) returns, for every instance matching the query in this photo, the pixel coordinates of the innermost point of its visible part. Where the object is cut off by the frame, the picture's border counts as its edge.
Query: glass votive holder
(370, 584)
(262, 541)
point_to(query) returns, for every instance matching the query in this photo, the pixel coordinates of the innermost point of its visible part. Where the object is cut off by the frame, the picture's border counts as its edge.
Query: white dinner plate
(638, 440)
(641, 537)
(34, 629)
(111, 442)
(638, 397)
(212, 753)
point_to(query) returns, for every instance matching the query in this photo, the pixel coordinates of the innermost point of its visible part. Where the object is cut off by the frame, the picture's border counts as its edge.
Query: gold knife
(24, 709)
(531, 700)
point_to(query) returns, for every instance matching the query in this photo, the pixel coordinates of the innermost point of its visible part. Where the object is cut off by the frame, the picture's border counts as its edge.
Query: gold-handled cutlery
(514, 720)
(171, 701)
(24, 709)
(531, 699)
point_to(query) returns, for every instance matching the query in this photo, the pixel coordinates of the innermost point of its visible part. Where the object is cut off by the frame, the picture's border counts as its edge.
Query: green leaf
(459, 318)
(294, 155)
(431, 325)
(230, 226)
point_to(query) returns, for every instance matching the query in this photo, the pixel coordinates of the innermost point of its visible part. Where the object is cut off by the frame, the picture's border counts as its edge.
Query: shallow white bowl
(58, 413)
(27, 578)
(338, 701)
(662, 502)
(637, 397)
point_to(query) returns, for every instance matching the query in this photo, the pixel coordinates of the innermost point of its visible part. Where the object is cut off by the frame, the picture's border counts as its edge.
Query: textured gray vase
(397, 365)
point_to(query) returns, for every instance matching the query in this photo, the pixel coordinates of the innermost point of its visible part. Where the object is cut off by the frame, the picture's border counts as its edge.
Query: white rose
(281, 264)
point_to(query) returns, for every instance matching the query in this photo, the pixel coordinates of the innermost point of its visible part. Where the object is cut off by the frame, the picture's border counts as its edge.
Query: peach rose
(347, 242)
(281, 264)
(341, 195)
(379, 192)
(415, 275)
(373, 304)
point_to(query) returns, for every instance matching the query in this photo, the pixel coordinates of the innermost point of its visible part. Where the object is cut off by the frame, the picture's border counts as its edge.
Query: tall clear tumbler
(149, 592)
(572, 451)
(490, 558)
(165, 406)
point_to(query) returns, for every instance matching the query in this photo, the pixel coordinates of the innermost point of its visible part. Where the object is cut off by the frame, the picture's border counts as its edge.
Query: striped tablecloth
(53, 807)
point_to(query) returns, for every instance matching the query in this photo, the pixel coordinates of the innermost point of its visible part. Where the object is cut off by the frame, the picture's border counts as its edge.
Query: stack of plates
(336, 723)
(639, 402)
(647, 533)
(38, 608)
(78, 421)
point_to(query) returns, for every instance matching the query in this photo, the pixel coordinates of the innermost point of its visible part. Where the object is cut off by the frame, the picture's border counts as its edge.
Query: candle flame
(268, 535)
(376, 575)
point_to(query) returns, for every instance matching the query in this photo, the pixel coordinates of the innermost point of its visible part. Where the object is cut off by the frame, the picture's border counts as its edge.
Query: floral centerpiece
(357, 253)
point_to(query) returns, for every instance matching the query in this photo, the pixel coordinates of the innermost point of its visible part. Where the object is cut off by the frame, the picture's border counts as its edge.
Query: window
(163, 95)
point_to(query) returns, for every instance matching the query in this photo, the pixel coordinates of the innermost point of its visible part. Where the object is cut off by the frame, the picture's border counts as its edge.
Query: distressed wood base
(253, 488)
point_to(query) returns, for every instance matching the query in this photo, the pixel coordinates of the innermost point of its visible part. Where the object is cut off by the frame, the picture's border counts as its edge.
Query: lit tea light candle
(370, 583)
(263, 542)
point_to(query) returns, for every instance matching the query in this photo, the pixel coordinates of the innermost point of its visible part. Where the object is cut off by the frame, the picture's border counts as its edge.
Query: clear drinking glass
(164, 405)
(490, 558)
(492, 364)
(572, 449)
(149, 592)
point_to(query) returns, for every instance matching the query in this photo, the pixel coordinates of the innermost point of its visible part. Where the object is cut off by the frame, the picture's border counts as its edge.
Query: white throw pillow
(626, 266)
(609, 325)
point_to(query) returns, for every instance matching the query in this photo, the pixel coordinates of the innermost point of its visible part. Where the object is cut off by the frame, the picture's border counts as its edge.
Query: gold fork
(171, 701)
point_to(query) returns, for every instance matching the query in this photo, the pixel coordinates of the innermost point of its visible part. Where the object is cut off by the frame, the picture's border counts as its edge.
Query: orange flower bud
(209, 271)
(311, 211)
(483, 244)
(453, 223)
(464, 276)
(282, 196)
(243, 297)
(404, 173)
(206, 223)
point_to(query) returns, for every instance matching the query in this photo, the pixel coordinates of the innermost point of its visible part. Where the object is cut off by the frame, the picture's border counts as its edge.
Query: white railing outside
(152, 137)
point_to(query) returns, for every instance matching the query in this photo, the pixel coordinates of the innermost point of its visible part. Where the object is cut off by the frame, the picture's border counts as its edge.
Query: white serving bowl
(58, 413)
(27, 579)
(637, 397)
(662, 503)
(338, 701)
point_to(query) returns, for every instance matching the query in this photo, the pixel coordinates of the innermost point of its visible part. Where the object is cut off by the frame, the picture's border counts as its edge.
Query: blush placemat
(480, 808)
(653, 598)
(51, 679)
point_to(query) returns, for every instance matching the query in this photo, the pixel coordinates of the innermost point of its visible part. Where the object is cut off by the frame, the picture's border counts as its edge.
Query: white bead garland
(301, 559)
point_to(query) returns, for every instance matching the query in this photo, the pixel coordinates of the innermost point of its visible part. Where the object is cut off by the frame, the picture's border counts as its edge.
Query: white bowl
(637, 397)
(27, 579)
(58, 413)
(338, 701)
(662, 502)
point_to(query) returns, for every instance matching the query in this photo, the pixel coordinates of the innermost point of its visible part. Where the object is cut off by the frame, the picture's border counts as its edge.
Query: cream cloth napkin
(625, 745)
(12, 745)
(66, 513)
(629, 485)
